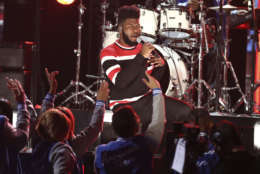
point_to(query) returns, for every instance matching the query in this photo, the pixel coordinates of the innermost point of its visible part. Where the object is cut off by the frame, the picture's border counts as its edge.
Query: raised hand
(151, 82)
(17, 89)
(51, 76)
(103, 91)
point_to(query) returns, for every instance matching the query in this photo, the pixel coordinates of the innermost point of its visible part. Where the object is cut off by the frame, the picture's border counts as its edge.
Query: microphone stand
(78, 97)
(219, 56)
(224, 99)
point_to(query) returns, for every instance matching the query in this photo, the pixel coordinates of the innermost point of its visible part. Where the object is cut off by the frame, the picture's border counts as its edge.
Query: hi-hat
(226, 7)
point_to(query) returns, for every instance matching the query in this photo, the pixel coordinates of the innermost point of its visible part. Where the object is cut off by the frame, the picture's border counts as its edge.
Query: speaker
(16, 59)
(11, 58)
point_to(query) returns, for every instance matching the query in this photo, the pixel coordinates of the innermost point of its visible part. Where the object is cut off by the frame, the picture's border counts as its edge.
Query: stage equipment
(176, 81)
(200, 81)
(175, 23)
(223, 97)
(225, 8)
(149, 29)
(82, 92)
(65, 2)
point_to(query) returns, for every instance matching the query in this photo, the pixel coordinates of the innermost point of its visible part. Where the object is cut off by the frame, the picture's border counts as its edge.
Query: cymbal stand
(200, 81)
(78, 97)
(225, 100)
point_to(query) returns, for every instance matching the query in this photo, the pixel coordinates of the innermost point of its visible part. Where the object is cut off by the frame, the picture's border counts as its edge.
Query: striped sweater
(124, 68)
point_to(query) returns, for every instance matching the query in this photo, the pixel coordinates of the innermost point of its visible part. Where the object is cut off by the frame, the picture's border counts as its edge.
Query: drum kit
(183, 45)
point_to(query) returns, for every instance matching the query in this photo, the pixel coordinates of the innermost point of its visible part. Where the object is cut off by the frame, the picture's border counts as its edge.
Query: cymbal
(226, 7)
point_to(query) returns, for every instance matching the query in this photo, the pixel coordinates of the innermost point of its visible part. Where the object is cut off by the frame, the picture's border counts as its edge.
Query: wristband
(100, 103)
(156, 91)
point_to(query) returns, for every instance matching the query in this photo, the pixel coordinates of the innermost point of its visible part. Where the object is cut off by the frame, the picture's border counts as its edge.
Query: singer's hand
(193, 5)
(156, 61)
(147, 50)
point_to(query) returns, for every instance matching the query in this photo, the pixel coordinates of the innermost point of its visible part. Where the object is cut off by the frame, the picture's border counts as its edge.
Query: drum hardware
(225, 8)
(184, 53)
(224, 98)
(78, 97)
(199, 81)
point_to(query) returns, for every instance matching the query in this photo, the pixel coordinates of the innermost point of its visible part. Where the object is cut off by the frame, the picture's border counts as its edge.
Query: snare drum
(174, 23)
(149, 24)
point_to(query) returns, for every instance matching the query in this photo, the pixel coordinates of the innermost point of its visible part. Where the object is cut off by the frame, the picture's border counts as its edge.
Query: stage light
(257, 135)
(65, 2)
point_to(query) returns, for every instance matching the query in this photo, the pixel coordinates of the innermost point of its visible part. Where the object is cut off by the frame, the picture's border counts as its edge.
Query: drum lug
(187, 17)
(164, 12)
(179, 24)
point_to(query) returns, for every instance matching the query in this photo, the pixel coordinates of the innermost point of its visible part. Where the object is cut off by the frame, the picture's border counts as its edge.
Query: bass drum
(176, 79)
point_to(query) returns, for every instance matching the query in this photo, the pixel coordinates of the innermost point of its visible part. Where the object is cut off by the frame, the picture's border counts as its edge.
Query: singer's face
(131, 30)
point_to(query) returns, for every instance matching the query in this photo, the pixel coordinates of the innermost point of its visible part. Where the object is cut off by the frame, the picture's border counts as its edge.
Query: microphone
(140, 40)
(154, 52)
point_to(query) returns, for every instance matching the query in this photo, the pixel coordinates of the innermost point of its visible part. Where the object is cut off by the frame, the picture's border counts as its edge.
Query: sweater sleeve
(81, 142)
(48, 102)
(16, 138)
(155, 129)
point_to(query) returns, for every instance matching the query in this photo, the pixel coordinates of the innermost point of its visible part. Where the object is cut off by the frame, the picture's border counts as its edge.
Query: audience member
(6, 109)
(13, 139)
(132, 152)
(81, 142)
(234, 158)
(52, 154)
(200, 154)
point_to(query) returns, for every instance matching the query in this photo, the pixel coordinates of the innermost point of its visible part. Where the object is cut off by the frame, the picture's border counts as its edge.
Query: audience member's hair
(125, 122)
(6, 109)
(53, 125)
(70, 116)
(126, 12)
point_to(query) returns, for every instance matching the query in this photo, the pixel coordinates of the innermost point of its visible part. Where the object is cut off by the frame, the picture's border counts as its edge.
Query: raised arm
(17, 137)
(155, 129)
(88, 136)
(48, 101)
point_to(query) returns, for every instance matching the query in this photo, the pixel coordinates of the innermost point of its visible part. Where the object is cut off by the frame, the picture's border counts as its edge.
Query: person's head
(128, 25)
(6, 109)
(53, 125)
(126, 122)
(226, 136)
(70, 116)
